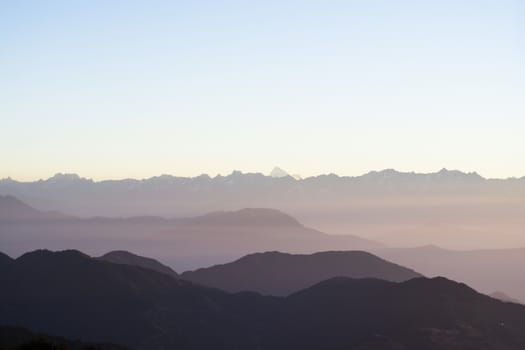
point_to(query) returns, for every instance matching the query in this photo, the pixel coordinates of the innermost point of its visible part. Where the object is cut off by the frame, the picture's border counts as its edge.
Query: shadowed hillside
(127, 258)
(72, 295)
(5, 259)
(275, 273)
(485, 270)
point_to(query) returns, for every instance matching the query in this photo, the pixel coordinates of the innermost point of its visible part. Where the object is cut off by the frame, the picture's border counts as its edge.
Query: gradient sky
(114, 89)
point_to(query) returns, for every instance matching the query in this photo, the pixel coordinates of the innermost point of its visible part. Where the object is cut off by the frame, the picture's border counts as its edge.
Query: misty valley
(250, 276)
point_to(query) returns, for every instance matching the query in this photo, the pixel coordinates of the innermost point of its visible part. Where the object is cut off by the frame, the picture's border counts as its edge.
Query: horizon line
(73, 175)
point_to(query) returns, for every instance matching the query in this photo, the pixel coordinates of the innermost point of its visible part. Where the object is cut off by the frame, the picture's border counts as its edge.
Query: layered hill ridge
(183, 243)
(279, 274)
(486, 270)
(72, 295)
(127, 258)
(449, 208)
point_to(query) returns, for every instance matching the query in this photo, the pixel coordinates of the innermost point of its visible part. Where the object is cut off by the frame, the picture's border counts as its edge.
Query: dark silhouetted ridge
(45, 256)
(5, 259)
(127, 258)
(420, 313)
(276, 273)
(74, 296)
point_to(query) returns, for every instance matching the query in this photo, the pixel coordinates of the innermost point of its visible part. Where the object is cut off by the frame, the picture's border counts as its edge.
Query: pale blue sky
(113, 89)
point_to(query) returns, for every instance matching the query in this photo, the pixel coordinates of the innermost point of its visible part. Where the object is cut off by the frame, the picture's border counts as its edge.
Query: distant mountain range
(170, 196)
(72, 295)
(185, 243)
(448, 208)
(280, 274)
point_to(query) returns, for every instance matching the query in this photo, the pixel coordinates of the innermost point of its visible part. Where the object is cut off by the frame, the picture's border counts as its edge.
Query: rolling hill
(280, 274)
(72, 295)
(127, 258)
(184, 243)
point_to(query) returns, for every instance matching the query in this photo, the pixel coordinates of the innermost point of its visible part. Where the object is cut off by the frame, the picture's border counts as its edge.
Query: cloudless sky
(114, 89)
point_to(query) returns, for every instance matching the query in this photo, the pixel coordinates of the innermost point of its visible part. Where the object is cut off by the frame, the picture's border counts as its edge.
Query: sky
(115, 89)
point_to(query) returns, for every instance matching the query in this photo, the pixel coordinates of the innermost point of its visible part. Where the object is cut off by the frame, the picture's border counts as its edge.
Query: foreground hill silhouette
(5, 259)
(279, 274)
(69, 294)
(184, 243)
(16, 338)
(127, 258)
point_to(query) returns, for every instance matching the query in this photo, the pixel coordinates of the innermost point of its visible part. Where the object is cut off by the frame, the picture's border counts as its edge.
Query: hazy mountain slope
(12, 209)
(184, 243)
(484, 270)
(275, 273)
(72, 295)
(127, 258)
(245, 217)
(504, 297)
(447, 208)
(12, 338)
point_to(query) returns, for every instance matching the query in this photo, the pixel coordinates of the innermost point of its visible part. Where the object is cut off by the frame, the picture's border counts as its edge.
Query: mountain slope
(72, 295)
(417, 314)
(13, 209)
(275, 273)
(184, 243)
(5, 259)
(127, 258)
(245, 217)
(504, 297)
(485, 270)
